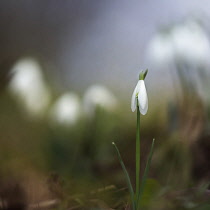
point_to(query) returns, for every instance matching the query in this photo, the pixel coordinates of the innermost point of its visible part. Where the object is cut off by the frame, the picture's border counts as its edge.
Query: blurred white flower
(160, 49)
(66, 110)
(140, 94)
(185, 42)
(98, 95)
(28, 86)
(191, 43)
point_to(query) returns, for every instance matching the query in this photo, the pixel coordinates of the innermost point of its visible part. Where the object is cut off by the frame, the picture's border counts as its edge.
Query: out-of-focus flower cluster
(183, 49)
(30, 89)
(184, 42)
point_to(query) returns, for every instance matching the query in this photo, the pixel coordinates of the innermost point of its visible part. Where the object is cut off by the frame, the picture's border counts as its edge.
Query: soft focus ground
(77, 168)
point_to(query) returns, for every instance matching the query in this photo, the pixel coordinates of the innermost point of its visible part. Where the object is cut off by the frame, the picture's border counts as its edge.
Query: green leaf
(152, 187)
(202, 189)
(146, 171)
(127, 177)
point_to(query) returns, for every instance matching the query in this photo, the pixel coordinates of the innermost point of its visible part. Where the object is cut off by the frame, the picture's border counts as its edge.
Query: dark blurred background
(67, 73)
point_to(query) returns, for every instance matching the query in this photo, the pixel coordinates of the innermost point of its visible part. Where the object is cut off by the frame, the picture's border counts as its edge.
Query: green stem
(127, 177)
(137, 156)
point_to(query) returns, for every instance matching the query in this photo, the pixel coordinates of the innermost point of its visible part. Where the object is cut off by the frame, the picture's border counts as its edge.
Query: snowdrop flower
(66, 110)
(139, 98)
(98, 95)
(160, 49)
(191, 42)
(28, 86)
(185, 42)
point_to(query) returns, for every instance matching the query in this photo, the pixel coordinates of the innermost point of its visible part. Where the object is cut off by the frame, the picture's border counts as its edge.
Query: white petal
(134, 99)
(142, 98)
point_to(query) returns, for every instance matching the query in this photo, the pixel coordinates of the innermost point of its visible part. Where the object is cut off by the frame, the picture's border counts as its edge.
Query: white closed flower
(139, 97)
(98, 96)
(191, 43)
(28, 86)
(66, 110)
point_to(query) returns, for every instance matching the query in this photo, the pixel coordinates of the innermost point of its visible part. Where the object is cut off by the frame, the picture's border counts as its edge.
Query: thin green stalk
(144, 178)
(127, 177)
(137, 156)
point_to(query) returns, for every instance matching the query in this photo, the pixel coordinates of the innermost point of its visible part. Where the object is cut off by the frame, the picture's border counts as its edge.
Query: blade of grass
(144, 178)
(127, 177)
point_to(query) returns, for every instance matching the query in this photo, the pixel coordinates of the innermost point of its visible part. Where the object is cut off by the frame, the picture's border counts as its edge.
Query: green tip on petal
(143, 74)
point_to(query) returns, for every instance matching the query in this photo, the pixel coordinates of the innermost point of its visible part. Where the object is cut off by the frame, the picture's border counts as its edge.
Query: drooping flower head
(139, 98)
(29, 87)
(98, 96)
(66, 111)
